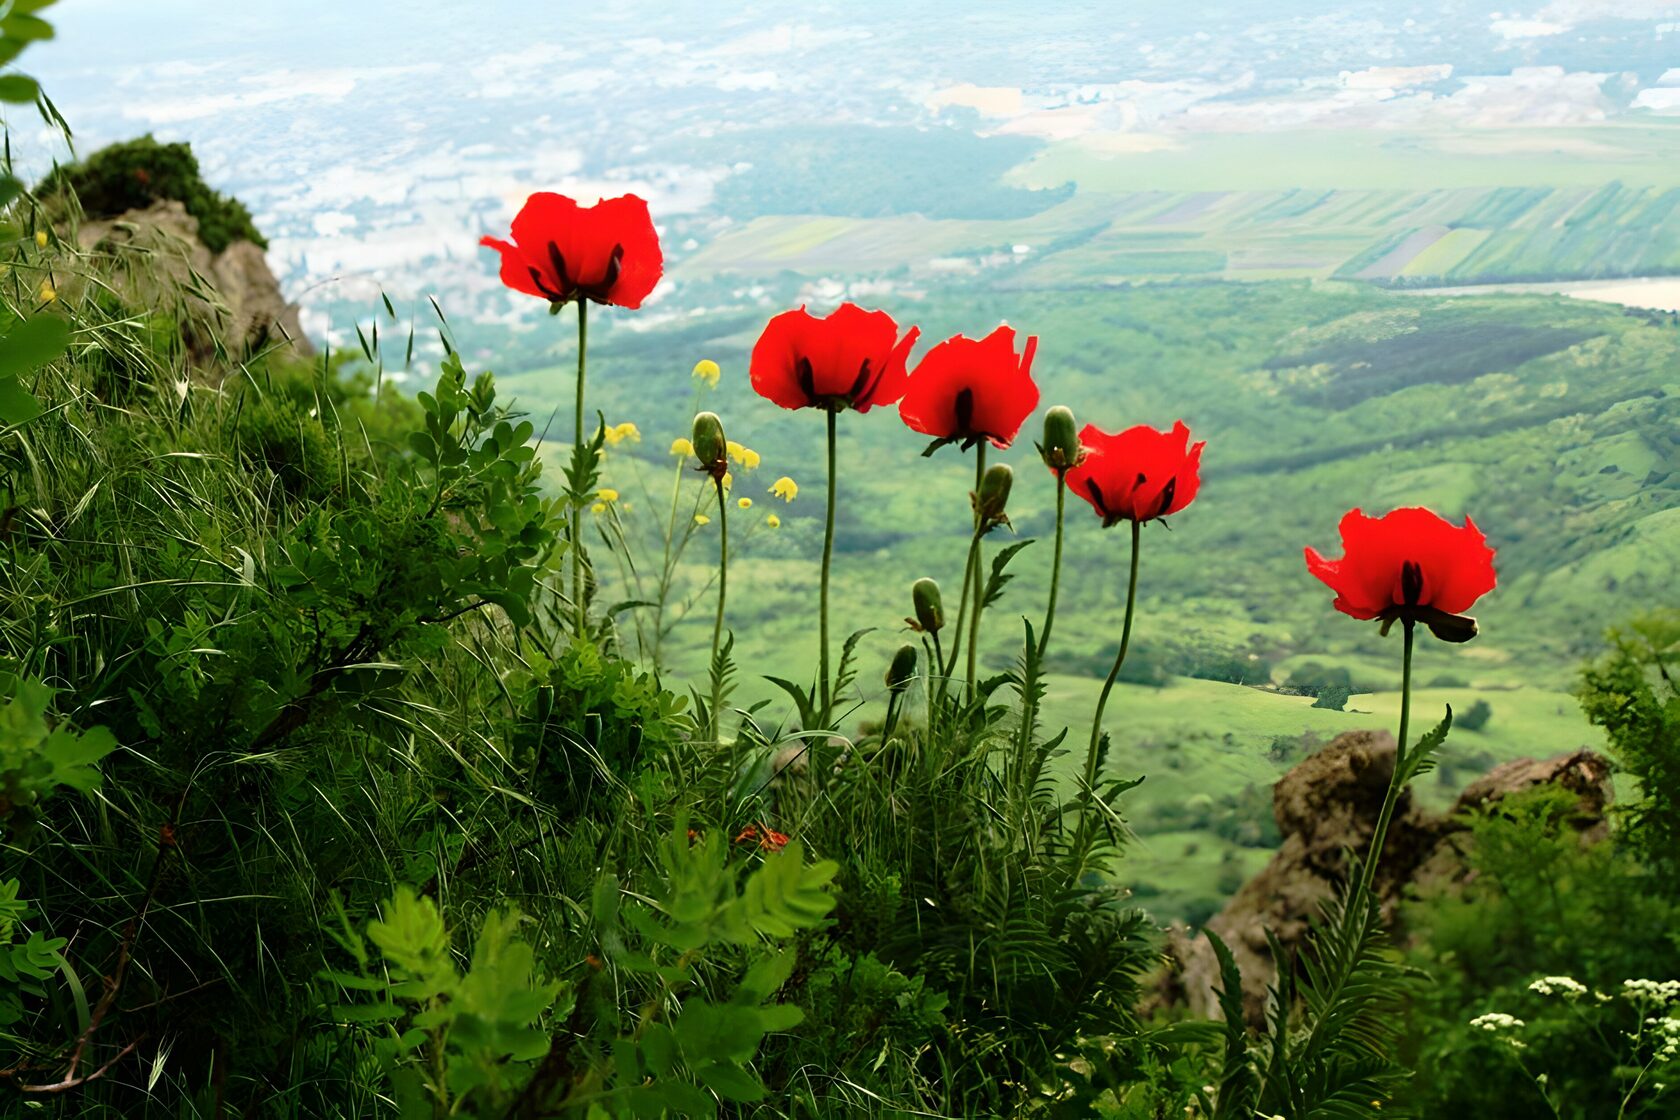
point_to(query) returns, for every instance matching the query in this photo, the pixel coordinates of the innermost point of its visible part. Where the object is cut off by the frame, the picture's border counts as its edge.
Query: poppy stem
(579, 601)
(979, 583)
(827, 560)
(1055, 566)
(1379, 836)
(936, 662)
(1029, 697)
(949, 668)
(717, 626)
(1114, 673)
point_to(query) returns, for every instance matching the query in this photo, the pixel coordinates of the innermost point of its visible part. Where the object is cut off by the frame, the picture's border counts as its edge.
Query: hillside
(1550, 420)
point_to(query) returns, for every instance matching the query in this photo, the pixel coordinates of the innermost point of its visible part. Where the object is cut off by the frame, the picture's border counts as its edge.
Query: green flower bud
(993, 498)
(710, 447)
(1060, 449)
(929, 607)
(902, 670)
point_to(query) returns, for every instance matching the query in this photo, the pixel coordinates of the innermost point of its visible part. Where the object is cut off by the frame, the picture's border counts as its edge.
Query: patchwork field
(1388, 208)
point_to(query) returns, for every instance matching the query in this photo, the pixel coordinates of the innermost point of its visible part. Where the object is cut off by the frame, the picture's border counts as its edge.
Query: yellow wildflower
(785, 488)
(681, 447)
(607, 494)
(618, 433)
(728, 479)
(745, 503)
(598, 507)
(773, 521)
(707, 370)
(48, 292)
(702, 519)
(745, 456)
(41, 238)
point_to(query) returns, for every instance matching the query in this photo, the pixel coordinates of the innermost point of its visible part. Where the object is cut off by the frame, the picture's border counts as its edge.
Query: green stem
(935, 660)
(665, 567)
(579, 602)
(1119, 660)
(826, 700)
(1030, 680)
(950, 667)
(717, 626)
(979, 581)
(1380, 835)
(1055, 565)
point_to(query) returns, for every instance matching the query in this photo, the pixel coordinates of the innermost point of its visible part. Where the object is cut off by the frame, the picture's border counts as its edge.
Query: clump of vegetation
(351, 793)
(133, 174)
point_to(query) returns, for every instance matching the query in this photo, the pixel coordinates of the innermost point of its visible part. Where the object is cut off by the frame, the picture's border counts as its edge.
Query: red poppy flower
(972, 389)
(606, 253)
(768, 839)
(1138, 474)
(1411, 564)
(850, 359)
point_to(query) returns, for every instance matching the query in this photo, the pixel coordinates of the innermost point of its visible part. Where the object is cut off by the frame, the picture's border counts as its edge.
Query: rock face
(243, 307)
(1327, 805)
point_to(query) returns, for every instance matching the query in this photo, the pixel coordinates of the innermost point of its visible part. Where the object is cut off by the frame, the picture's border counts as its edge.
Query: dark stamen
(1411, 583)
(541, 282)
(807, 379)
(862, 385)
(965, 411)
(1166, 497)
(558, 261)
(614, 265)
(1097, 497)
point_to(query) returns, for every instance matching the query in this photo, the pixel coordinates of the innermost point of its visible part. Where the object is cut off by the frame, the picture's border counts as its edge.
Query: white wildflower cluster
(1652, 991)
(1665, 1032)
(1501, 1024)
(1497, 1021)
(1565, 986)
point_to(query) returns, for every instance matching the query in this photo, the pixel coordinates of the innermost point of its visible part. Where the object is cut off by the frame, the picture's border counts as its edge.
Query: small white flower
(1496, 1021)
(1651, 991)
(1559, 986)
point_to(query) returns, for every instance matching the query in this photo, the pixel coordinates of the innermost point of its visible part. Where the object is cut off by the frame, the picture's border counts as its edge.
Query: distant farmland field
(1395, 210)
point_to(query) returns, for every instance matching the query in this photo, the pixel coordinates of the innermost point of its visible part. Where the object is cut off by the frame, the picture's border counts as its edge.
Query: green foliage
(26, 346)
(1328, 1047)
(1632, 694)
(133, 174)
(1332, 697)
(38, 754)
(1476, 716)
(1314, 679)
(1541, 900)
(450, 1042)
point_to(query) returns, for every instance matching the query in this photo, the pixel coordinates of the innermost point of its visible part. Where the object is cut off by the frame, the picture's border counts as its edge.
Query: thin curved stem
(1379, 836)
(717, 626)
(1034, 663)
(579, 601)
(970, 565)
(1055, 565)
(826, 700)
(979, 582)
(1119, 660)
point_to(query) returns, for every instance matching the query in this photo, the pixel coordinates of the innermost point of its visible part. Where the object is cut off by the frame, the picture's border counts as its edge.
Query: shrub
(1632, 694)
(1476, 716)
(1314, 679)
(136, 173)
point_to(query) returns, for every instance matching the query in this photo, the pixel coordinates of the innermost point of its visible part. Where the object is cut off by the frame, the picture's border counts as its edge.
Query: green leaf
(731, 1082)
(17, 404)
(765, 977)
(32, 344)
(18, 89)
